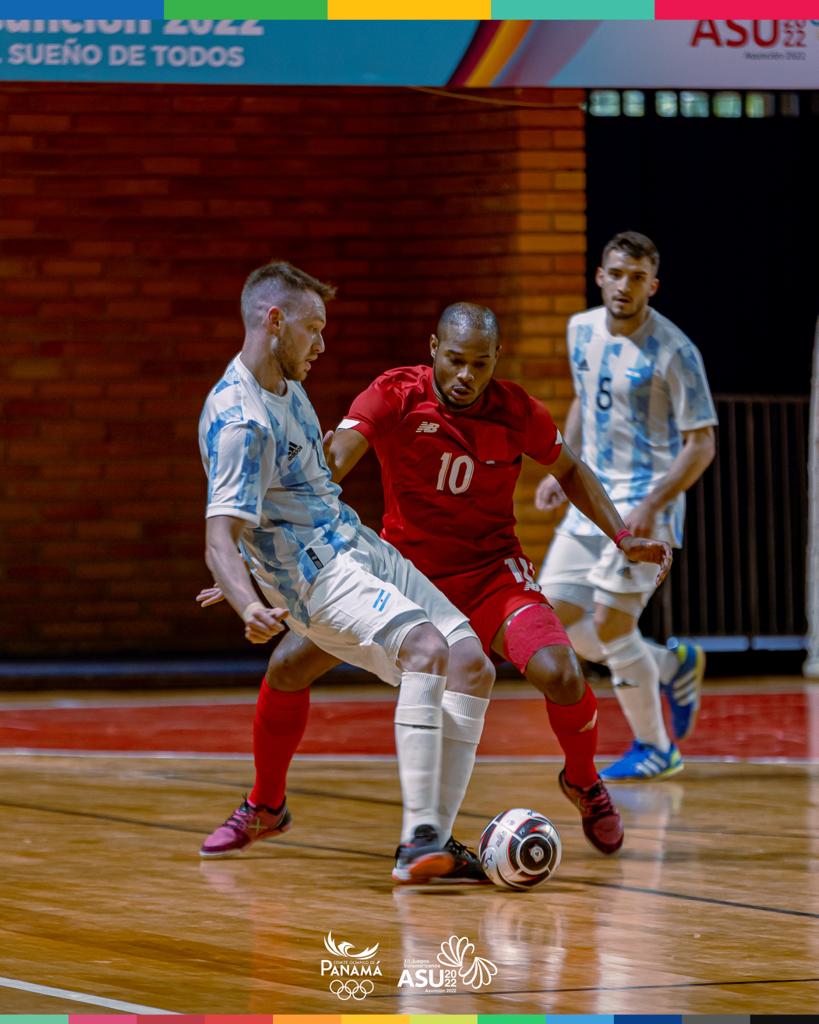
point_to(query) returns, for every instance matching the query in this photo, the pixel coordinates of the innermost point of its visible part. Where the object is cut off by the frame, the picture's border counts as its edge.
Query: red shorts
(488, 596)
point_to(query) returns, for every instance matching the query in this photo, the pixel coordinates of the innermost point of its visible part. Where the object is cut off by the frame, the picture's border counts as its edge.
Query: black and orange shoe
(422, 858)
(467, 865)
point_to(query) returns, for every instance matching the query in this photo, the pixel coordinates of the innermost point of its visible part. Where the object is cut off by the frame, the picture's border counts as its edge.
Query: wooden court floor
(711, 907)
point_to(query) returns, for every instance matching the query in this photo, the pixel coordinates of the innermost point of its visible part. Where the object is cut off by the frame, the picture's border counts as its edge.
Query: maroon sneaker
(602, 823)
(246, 825)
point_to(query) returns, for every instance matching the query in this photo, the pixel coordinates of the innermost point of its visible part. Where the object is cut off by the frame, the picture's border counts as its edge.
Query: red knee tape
(535, 627)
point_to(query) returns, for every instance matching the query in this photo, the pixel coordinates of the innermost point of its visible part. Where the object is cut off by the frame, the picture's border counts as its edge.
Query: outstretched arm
(586, 493)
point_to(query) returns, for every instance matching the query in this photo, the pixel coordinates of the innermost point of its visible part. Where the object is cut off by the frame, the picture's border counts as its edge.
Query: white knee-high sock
(463, 725)
(418, 718)
(636, 680)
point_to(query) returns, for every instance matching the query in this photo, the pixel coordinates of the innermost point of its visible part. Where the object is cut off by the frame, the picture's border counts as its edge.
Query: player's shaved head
(465, 351)
(276, 284)
(463, 318)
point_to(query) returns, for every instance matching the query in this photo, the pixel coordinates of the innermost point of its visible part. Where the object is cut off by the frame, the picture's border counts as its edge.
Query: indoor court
(414, 166)
(711, 906)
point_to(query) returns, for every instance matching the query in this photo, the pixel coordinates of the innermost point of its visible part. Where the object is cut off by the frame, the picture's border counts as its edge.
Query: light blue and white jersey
(637, 395)
(265, 463)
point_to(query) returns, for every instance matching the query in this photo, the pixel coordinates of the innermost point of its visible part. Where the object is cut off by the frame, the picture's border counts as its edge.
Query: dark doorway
(733, 206)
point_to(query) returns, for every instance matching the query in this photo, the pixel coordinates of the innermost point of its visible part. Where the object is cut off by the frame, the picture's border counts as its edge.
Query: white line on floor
(78, 997)
(331, 696)
(182, 755)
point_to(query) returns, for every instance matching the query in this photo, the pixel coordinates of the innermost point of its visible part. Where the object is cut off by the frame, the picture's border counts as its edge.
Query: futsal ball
(519, 849)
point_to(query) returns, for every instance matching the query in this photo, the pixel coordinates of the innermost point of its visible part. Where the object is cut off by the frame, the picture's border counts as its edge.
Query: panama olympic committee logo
(351, 972)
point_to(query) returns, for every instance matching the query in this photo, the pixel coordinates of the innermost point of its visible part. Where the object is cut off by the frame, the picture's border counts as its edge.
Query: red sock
(575, 726)
(278, 727)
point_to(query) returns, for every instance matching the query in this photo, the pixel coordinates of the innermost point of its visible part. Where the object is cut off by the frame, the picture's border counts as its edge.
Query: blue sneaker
(683, 691)
(644, 763)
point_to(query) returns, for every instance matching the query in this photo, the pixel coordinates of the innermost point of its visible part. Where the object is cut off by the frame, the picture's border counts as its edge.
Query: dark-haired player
(643, 419)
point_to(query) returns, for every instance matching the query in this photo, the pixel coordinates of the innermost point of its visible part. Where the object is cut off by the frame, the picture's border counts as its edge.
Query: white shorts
(364, 603)
(586, 571)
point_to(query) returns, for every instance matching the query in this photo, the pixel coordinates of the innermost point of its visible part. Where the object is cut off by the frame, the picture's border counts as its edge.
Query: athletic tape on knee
(463, 716)
(419, 700)
(535, 627)
(626, 651)
(585, 640)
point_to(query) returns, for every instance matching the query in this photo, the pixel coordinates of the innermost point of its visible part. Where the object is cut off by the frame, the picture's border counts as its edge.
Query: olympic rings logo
(351, 989)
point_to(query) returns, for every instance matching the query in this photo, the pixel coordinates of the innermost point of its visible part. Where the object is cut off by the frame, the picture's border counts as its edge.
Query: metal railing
(739, 581)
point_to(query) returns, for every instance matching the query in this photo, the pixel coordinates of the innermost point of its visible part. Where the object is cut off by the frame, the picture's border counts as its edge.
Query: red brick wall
(129, 217)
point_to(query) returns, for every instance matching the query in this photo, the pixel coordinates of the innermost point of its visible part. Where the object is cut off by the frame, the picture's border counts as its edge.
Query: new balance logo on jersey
(583, 364)
(427, 428)
(293, 450)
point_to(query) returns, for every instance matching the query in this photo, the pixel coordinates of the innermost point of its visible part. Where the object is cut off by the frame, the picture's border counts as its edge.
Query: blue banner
(230, 52)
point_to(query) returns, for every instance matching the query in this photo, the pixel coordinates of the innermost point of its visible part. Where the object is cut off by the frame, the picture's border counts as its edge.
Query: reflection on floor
(712, 906)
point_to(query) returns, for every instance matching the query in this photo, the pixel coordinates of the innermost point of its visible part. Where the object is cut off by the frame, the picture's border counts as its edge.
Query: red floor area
(748, 725)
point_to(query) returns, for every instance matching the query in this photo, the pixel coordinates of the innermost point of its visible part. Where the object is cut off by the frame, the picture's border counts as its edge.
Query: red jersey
(449, 475)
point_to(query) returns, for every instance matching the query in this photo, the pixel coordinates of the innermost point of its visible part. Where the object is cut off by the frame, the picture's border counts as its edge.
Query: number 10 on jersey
(455, 473)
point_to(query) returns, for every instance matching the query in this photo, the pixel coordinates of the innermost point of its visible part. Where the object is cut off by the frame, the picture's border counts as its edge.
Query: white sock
(463, 725)
(667, 661)
(585, 640)
(636, 680)
(418, 732)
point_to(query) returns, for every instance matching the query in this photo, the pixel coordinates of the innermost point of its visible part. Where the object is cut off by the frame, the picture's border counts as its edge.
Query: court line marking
(183, 755)
(190, 830)
(181, 701)
(198, 755)
(79, 997)
(323, 848)
(711, 900)
(483, 816)
(332, 695)
(726, 983)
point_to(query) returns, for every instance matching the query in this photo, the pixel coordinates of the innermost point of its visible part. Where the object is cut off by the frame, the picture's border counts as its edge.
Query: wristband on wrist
(619, 537)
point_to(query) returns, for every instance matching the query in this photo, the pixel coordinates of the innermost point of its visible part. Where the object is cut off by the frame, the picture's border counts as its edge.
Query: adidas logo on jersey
(293, 450)
(625, 572)
(583, 364)
(427, 428)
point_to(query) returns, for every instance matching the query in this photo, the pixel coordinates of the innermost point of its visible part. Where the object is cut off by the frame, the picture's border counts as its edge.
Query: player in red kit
(450, 458)
(450, 439)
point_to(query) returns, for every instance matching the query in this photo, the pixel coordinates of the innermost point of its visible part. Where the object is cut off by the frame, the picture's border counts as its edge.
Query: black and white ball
(519, 849)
